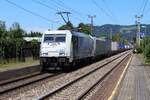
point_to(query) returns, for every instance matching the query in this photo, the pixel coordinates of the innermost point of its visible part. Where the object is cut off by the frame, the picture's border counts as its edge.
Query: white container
(114, 46)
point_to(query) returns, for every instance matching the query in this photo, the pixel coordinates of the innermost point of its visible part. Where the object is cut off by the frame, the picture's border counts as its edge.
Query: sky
(44, 15)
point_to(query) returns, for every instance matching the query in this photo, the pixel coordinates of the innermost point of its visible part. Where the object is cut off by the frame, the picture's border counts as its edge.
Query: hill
(126, 31)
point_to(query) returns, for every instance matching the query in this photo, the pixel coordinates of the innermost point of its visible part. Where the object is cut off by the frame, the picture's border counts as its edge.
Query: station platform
(136, 82)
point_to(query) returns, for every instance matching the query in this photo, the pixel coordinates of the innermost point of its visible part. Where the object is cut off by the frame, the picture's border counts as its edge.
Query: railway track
(104, 78)
(53, 89)
(22, 82)
(63, 91)
(5, 82)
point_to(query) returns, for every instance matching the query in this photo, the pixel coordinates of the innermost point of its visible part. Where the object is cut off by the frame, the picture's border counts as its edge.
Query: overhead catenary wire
(59, 5)
(26, 10)
(78, 14)
(143, 8)
(147, 10)
(109, 16)
(63, 5)
(108, 9)
(45, 5)
(145, 4)
(147, 13)
(106, 6)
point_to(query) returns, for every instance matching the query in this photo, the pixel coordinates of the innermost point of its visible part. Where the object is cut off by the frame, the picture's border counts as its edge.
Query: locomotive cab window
(54, 38)
(48, 38)
(60, 38)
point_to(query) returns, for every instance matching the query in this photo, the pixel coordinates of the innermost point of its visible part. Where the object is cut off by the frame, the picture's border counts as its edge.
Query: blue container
(121, 46)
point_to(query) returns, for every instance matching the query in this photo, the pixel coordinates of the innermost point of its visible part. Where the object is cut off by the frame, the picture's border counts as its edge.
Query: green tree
(2, 27)
(20, 43)
(145, 47)
(3, 35)
(147, 53)
(35, 49)
(116, 37)
(103, 35)
(16, 31)
(84, 28)
(125, 41)
(68, 26)
(145, 41)
(33, 34)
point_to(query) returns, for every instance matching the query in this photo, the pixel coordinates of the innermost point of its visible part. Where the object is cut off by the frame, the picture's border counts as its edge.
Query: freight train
(64, 48)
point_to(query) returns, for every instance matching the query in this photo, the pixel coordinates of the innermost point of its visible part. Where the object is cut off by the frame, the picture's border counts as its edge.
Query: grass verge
(144, 60)
(15, 64)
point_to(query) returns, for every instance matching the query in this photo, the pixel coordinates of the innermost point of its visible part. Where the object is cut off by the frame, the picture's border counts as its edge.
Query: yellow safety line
(119, 81)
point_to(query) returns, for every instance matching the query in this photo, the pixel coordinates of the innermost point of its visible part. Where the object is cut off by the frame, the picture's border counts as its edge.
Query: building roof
(28, 39)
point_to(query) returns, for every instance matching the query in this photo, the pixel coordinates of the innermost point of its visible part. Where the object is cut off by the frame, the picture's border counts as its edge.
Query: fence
(10, 51)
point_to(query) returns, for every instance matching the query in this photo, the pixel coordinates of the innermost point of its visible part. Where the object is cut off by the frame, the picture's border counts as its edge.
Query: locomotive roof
(57, 32)
(79, 34)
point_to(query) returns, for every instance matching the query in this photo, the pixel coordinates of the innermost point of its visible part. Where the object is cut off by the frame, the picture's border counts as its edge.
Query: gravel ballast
(40, 89)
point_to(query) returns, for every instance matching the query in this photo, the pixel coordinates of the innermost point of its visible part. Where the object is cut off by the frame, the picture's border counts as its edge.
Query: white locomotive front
(55, 48)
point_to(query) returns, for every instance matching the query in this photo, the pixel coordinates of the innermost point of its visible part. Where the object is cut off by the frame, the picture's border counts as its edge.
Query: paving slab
(136, 83)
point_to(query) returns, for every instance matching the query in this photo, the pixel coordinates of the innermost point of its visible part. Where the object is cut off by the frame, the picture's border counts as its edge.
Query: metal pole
(92, 17)
(138, 19)
(111, 34)
(145, 30)
(92, 24)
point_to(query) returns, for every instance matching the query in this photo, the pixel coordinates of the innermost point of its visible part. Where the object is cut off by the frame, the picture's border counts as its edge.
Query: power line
(33, 13)
(47, 6)
(145, 4)
(59, 5)
(108, 9)
(96, 4)
(43, 4)
(141, 7)
(63, 5)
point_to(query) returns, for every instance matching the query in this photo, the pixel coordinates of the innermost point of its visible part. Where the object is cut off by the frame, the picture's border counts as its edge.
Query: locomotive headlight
(61, 52)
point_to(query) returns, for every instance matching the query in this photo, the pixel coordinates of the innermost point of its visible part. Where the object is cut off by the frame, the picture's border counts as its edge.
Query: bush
(35, 49)
(147, 52)
(139, 50)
